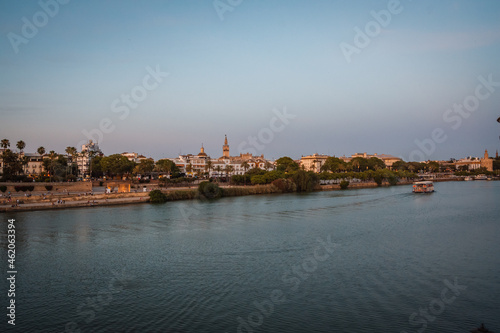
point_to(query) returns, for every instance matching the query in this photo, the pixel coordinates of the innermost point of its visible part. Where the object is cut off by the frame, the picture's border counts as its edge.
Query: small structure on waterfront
(123, 187)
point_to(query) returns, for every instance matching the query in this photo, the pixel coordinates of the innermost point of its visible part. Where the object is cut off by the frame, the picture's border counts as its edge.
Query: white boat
(423, 187)
(468, 178)
(481, 177)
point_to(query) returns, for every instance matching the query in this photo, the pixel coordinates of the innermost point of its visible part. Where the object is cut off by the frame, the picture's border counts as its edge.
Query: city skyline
(398, 77)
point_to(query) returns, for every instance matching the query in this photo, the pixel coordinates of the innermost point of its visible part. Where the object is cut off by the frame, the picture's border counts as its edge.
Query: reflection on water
(256, 263)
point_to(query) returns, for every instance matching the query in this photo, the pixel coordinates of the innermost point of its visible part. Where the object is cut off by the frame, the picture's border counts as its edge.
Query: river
(366, 260)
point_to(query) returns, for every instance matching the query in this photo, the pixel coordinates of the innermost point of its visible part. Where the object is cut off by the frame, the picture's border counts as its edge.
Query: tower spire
(225, 147)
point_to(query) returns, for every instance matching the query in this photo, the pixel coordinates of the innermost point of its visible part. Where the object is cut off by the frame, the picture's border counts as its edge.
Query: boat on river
(423, 187)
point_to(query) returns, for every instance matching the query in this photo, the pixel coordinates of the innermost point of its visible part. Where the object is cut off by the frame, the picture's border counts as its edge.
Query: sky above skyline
(418, 80)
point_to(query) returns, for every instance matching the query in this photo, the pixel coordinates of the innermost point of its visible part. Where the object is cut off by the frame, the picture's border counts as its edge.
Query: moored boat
(423, 187)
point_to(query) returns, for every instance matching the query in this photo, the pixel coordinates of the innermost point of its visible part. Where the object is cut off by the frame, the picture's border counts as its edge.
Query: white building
(134, 157)
(89, 150)
(198, 164)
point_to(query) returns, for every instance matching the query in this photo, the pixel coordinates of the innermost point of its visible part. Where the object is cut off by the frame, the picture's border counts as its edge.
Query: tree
(332, 164)
(360, 163)
(218, 168)
(20, 145)
(269, 165)
(305, 180)
(399, 166)
(95, 166)
(24, 162)
(157, 196)
(50, 166)
(433, 166)
(5, 143)
(145, 166)
(167, 166)
(71, 151)
(116, 164)
(11, 164)
(355, 164)
(209, 190)
(189, 168)
(286, 164)
(375, 163)
(245, 166)
(228, 169)
(41, 150)
(208, 167)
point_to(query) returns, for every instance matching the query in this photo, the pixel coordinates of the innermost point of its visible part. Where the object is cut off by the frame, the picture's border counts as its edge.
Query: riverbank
(78, 200)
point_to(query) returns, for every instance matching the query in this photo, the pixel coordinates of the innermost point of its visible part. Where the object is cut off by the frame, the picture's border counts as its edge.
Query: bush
(17, 188)
(157, 196)
(101, 183)
(240, 179)
(378, 179)
(344, 184)
(393, 180)
(306, 181)
(3, 188)
(258, 180)
(209, 190)
(49, 187)
(285, 185)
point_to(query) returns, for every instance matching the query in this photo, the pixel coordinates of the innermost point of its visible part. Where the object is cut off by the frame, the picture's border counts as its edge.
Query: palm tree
(5, 143)
(245, 166)
(355, 164)
(41, 150)
(71, 151)
(52, 156)
(218, 168)
(189, 168)
(20, 145)
(208, 167)
(24, 162)
(228, 169)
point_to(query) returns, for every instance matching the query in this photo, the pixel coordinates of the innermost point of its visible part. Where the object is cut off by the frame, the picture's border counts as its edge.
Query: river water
(366, 260)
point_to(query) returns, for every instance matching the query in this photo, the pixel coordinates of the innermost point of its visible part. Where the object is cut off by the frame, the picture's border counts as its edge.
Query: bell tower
(225, 148)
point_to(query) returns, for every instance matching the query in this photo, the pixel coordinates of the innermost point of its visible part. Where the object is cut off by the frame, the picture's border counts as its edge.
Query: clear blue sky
(226, 76)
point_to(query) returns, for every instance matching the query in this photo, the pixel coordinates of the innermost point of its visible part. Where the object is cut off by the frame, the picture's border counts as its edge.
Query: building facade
(226, 165)
(473, 163)
(313, 162)
(89, 150)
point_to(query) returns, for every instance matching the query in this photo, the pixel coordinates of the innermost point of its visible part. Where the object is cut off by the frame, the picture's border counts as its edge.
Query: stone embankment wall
(56, 186)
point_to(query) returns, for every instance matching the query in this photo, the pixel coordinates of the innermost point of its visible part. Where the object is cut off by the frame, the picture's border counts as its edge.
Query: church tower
(225, 148)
